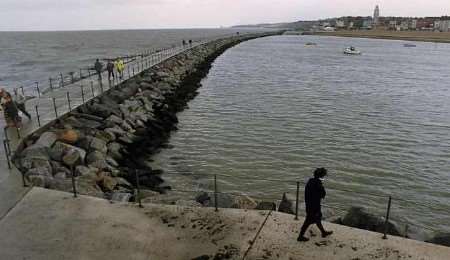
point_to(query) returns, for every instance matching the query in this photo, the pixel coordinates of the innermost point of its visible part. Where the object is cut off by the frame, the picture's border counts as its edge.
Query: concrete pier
(49, 224)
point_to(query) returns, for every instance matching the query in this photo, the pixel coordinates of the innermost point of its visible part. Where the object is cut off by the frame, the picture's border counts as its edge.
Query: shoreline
(436, 37)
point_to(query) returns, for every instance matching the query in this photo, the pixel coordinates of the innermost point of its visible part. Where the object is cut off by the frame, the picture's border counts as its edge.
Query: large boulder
(69, 136)
(114, 150)
(46, 139)
(286, 205)
(244, 202)
(98, 144)
(266, 205)
(70, 152)
(359, 217)
(441, 239)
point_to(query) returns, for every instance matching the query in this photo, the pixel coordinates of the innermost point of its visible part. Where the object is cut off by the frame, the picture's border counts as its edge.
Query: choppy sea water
(27, 57)
(272, 110)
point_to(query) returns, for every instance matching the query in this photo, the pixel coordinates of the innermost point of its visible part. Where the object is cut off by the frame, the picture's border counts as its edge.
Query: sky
(30, 15)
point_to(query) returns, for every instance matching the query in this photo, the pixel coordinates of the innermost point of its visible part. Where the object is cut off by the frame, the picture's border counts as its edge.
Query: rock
(34, 152)
(87, 185)
(203, 198)
(110, 161)
(124, 183)
(120, 197)
(358, 217)
(101, 110)
(115, 119)
(188, 203)
(244, 202)
(60, 149)
(148, 193)
(441, 239)
(286, 205)
(265, 205)
(82, 170)
(106, 136)
(114, 151)
(60, 175)
(72, 157)
(95, 156)
(38, 172)
(108, 183)
(98, 145)
(68, 136)
(42, 164)
(47, 139)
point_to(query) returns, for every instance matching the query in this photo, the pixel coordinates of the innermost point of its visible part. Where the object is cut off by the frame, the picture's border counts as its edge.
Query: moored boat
(352, 51)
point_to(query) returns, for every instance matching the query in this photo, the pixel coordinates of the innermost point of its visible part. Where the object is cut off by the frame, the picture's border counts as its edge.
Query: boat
(311, 44)
(352, 51)
(409, 45)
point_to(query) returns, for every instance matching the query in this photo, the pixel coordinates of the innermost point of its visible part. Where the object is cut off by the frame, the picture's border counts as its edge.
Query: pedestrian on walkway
(110, 69)
(19, 101)
(120, 67)
(314, 193)
(10, 111)
(98, 67)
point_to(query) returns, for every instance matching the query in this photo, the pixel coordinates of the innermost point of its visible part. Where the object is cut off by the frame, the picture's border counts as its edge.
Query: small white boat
(311, 44)
(352, 51)
(409, 45)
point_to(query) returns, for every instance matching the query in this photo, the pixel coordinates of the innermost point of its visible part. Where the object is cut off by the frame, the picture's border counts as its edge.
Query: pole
(62, 79)
(68, 100)
(82, 93)
(38, 116)
(7, 154)
(215, 193)
(138, 188)
(23, 92)
(54, 107)
(81, 73)
(73, 182)
(38, 90)
(387, 218)
(296, 200)
(51, 84)
(92, 88)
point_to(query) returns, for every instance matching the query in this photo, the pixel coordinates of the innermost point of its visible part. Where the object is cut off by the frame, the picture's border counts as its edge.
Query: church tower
(376, 16)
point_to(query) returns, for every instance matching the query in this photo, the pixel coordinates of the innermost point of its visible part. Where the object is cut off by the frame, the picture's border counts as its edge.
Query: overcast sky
(135, 14)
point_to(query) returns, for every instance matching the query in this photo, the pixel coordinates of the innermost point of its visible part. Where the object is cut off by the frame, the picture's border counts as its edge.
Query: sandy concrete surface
(49, 224)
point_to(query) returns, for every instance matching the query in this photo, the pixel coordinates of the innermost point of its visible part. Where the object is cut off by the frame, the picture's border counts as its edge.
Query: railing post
(82, 93)
(128, 69)
(38, 116)
(296, 200)
(74, 187)
(38, 90)
(138, 188)
(133, 70)
(81, 74)
(386, 223)
(51, 84)
(7, 153)
(62, 79)
(68, 100)
(92, 89)
(23, 92)
(54, 107)
(215, 193)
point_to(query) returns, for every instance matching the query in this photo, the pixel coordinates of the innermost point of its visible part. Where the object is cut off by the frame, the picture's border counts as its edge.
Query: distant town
(374, 22)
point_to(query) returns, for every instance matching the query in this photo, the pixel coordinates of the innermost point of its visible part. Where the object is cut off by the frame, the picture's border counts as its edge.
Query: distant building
(443, 26)
(367, 24)
(413, 24)
(376, 16)
(404, 25)
(340, 24)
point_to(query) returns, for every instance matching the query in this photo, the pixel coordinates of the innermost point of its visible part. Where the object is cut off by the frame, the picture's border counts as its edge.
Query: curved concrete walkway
(49, 224)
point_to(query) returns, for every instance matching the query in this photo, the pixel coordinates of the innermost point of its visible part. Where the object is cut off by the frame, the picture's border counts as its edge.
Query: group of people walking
(117, 64)
(11, 105)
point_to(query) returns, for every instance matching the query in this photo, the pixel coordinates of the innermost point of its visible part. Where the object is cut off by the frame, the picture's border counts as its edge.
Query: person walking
(10, 110)
(120, 67)
(110, 69)
(314, 193)
(19, 101)
(98, 67)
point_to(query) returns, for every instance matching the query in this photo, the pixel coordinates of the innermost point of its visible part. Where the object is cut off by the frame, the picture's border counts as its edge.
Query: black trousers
(312, 218)
(110, 72)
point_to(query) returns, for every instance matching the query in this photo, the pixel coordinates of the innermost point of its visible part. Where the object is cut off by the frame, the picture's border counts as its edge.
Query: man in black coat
(314, 193)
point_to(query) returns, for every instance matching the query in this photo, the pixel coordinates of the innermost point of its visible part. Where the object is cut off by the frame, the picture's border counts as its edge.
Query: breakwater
(102, 147)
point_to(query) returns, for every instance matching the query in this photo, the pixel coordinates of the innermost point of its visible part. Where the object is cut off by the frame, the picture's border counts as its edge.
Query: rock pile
(105, 144)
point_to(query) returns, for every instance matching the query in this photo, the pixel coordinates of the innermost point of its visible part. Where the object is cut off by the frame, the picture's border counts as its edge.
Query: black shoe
(327, 233)
(302, 239)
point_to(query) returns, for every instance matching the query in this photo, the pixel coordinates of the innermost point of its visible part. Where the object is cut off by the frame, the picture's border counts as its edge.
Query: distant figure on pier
(110, 69)
(98, 66)
(120, 67)
(20, 100)
(190, 42)
(184, 43)
(10, 110)
(314, 193)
